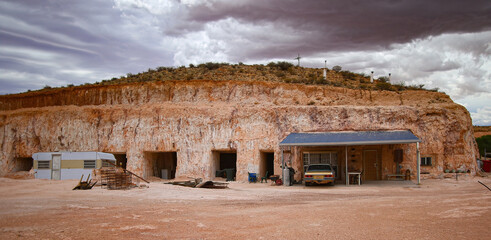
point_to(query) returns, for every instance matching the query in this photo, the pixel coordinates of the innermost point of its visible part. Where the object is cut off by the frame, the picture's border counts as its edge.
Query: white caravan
(69, 165)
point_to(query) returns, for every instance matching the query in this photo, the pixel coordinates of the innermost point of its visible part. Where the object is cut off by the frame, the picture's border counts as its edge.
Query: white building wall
(75, 173)
(65, 173)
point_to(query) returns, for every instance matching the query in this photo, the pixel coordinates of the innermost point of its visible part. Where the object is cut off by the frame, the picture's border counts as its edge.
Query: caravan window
(43, 164)
(89, 163)
(105, 163)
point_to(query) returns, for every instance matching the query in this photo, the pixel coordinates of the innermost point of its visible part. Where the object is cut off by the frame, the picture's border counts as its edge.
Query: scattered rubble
(199, 183)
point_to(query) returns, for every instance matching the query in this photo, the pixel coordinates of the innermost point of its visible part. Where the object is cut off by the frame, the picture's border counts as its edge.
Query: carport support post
(418, 162)
(282, 166)
(346, 164)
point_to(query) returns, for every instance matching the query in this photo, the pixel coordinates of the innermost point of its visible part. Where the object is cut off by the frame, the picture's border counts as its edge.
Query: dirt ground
(437, 209)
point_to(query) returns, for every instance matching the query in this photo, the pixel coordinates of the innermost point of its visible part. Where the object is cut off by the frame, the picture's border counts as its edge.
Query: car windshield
(319, 168)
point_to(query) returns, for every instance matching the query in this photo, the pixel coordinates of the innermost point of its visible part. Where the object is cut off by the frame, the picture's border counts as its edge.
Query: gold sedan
(319, 174)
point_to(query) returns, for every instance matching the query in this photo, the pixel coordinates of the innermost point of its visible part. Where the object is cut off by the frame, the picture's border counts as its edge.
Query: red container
(486, 165)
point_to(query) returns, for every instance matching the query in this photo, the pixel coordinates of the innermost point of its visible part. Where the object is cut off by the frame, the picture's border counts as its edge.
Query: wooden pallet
(116, 179)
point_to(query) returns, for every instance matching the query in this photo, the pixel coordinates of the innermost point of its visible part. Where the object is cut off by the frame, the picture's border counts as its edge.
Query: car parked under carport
(319, 174)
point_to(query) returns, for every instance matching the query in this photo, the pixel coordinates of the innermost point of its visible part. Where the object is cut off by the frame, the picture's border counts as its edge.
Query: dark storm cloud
(62, 43)
(351, 25)
(438, 43)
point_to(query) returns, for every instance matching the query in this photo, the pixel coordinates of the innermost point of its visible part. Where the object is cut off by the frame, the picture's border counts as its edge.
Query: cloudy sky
(439, 43)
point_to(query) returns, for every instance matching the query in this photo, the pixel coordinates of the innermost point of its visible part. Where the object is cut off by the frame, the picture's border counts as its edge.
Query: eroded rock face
(198, 118)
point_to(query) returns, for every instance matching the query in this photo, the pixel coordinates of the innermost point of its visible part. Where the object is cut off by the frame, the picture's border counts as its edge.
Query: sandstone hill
(480, 131)
(272, 72)
(201, 110)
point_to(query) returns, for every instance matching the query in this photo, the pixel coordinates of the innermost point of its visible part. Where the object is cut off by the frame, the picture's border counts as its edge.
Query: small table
(355, 173)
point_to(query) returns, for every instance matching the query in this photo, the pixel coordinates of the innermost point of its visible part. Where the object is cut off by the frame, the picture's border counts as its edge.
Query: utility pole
(298, 58)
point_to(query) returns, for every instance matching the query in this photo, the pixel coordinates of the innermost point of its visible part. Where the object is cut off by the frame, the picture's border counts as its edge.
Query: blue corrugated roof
(350, 138)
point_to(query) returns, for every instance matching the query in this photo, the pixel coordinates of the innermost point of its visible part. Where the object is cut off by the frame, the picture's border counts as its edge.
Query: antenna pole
(298, 58)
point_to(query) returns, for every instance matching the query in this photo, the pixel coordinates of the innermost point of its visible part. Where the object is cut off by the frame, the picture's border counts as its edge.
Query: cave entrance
(121, 159)
(225, 164)
(266, 164)
(23, 164)
(161, 164)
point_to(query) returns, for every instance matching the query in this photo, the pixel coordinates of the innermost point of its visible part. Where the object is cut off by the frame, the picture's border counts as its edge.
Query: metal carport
(352, 138)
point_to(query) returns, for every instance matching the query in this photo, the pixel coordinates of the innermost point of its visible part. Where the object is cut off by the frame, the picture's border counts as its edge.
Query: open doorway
(161, 164)
(225, 164)
(121, 159)
(23, 164)
(266, 164)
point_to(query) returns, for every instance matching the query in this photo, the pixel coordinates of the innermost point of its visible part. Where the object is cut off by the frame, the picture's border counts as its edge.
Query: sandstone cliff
(195, 118)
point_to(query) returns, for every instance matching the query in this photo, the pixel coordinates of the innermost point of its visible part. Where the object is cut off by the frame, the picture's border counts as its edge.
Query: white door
(56, 167)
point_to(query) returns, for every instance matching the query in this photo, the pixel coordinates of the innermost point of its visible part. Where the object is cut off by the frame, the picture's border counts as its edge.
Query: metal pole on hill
(298, 58)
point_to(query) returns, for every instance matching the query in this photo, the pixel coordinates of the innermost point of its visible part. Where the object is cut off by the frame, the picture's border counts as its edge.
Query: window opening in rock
(426, 161)
(23, 164)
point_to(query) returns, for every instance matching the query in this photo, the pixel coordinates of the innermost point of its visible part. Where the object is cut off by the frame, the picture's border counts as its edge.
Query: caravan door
(56, 167)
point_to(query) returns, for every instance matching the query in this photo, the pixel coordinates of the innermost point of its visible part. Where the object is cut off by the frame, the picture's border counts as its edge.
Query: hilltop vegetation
(274, 71)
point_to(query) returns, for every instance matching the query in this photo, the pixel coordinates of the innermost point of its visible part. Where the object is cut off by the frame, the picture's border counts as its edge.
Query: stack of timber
(116, 178)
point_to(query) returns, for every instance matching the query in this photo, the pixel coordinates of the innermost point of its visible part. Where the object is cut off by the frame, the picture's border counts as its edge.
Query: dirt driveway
(437, 209)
